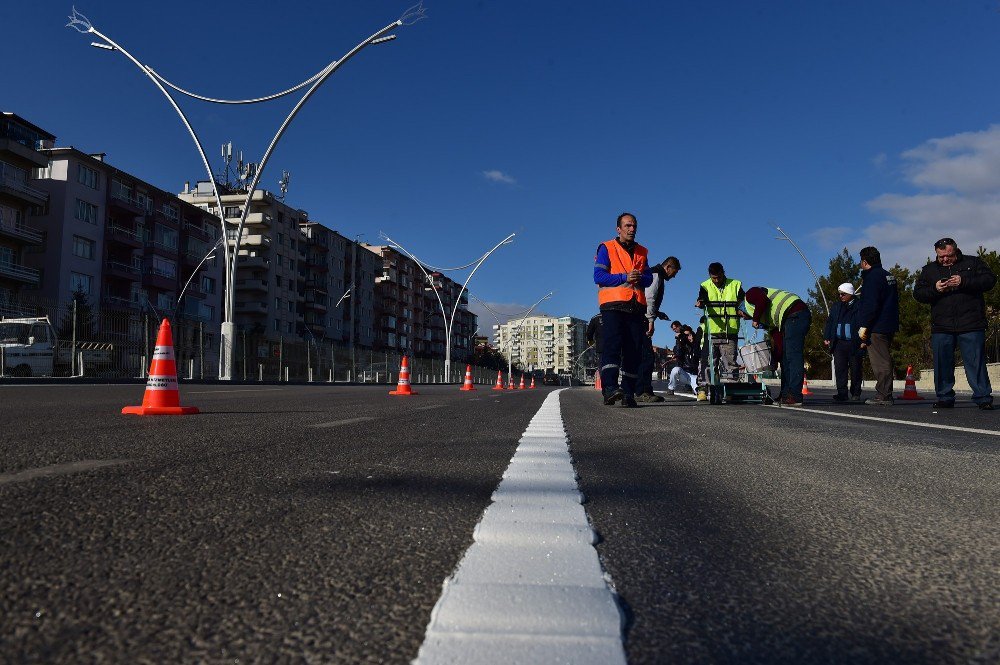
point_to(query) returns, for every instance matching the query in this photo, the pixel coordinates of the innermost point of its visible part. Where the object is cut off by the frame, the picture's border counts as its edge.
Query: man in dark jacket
(878, 321)
(954, 285)
(840, 337)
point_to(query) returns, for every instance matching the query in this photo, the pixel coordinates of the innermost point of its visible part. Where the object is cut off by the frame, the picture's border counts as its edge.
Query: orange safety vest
(621, 262)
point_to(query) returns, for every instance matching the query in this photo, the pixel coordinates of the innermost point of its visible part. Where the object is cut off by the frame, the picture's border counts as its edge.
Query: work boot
(628, 402)
(878, 400)
(788, 400)
(648, 397)
(702, 396)
(950, 404)
(612, 396)
(839, 398)
(856, 398)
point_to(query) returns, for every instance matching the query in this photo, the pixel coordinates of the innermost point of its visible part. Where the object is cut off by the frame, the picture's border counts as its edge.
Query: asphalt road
(317, 524)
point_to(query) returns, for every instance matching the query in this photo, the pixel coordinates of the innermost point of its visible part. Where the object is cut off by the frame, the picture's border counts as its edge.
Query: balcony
(12, 185)
(316, 305)
(251, 307)
(119, 302)
(19, 273)
(159, 279)
(124, 270)
(122, 235)
(258, 219)
(19, 231)
(252, 285)
(25, 150)
(162, 248)
(125, 201)
(197, 230)
(258, 262)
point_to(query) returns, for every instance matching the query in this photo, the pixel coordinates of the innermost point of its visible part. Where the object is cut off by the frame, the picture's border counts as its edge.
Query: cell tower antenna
(283, 184)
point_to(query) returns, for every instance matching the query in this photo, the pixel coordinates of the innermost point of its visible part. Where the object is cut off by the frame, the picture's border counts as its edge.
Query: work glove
(863, 334)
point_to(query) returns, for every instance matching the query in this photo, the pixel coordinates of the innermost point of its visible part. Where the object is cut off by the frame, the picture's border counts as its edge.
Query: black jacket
(687, 356)
(594, 333)
(879, 301)
(842, 324)
(961, 310)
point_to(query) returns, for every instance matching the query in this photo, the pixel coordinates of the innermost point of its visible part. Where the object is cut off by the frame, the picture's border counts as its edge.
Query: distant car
(550, 380)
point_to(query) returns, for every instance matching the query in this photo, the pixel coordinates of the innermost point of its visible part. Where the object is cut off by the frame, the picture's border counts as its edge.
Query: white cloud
(499, 176)
(959, 181)
(831, 237)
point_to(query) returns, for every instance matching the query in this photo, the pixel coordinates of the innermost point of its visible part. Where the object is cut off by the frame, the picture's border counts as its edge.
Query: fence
(117, 343)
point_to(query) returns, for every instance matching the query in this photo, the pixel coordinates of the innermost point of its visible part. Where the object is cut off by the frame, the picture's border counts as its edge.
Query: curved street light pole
(517, 329)
(819, 285)
(449, 322)
(82, 24)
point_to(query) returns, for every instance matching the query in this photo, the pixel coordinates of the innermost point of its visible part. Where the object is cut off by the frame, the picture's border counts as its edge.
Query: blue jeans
(644, 384)
(622, 334)
(973, 348)
(794, 330)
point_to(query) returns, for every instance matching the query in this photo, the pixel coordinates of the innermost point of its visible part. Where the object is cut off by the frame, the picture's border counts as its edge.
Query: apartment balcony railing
(120, 268)
(115, 232)
(121, 302)
(12, 184)
(15, 271)
(20, 231)
(129, 201)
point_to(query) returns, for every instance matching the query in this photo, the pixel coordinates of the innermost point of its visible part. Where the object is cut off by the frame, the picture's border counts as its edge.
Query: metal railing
(20, 230)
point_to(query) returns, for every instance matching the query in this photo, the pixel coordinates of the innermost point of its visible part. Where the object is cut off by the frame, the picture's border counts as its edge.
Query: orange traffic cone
(468, 379)
(910, 391)
(521, 387)
(597, 381)
(805, 387)
(532, 386)
(499, 385)
(403, 385)
(162, 397)
(510, 382)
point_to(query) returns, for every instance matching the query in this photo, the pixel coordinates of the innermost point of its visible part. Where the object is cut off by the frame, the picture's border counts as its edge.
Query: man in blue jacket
(840, 337)
(878, 321)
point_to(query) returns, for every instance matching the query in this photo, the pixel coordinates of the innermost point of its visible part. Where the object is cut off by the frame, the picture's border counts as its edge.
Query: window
(291, 306)
(277, 304)
(170, 211)
(163, 267)
(86, 212)
(277, 325)
(83, 247)
(87, 176)
(207, 285)
(9, 217)
(80, 282)
(277, 280)
(165, 300)
(165, 237)
(232, 212)
(289, 327)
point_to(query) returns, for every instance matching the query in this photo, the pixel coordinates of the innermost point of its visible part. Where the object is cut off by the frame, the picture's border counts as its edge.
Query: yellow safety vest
(722, 320)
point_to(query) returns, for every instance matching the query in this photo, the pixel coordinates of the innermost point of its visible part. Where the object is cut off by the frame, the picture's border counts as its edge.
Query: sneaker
(788, 400)
(840, 398)
(986, 406)
(879, 401)
(944, 405)
(628, 402)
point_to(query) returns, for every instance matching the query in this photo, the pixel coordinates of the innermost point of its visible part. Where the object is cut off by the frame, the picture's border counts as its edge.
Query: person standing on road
(723, 320)
(662, 273)
(953, 285)
(786, 317)
(840, 337)
(878, 321)
(621, 272)
(593, 335)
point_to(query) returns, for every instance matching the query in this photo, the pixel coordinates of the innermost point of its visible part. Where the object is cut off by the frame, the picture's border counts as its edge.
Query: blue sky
(846, 123)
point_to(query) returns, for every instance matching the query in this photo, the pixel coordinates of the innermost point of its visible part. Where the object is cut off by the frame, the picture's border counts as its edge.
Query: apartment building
(542, 342)
(408, 314)
(128, 245)
(21, 152)
(329, 294)
(288, 267)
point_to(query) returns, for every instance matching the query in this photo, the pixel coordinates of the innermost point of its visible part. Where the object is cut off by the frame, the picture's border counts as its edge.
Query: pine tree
(84, 318)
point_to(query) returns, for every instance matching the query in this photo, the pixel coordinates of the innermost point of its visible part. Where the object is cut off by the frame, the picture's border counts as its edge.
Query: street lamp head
(106, 47)
(79, 22)
(413, 14)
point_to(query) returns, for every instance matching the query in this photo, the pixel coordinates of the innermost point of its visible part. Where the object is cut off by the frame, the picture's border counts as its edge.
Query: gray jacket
(654, 297)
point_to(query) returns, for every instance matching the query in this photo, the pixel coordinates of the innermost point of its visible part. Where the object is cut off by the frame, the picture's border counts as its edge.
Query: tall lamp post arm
(819, 286)
(198, 267)
(255, 100)
(173, 103)
(465, 284)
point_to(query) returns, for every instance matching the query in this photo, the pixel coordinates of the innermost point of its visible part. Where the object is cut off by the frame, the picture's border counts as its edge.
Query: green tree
(992, 259)
(84, 318)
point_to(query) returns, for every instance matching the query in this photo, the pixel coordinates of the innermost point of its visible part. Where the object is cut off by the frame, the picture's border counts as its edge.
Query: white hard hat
(847, 288)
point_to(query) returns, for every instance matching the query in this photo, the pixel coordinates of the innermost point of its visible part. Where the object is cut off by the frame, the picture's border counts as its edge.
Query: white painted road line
(530, 589)
(338, 423)
(57, 470)
(893, 421)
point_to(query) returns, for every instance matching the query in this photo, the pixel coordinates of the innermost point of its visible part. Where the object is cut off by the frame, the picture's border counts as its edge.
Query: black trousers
(847, 364)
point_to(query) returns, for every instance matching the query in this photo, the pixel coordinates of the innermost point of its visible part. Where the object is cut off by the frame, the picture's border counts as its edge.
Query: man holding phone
(953, 285)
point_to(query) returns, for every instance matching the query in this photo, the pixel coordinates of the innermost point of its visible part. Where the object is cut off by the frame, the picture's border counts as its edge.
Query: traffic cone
(805, 386)
(499, 385)
(532, 386)
(403, 385)
(161, 397)
(597, 381)
(521, 387)
(468, 379)
(910, 391)
(510, 382)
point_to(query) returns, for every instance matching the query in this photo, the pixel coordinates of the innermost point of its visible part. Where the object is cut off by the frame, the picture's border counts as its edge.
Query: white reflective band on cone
(404, 380)
(163, 353)
(161, 383)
